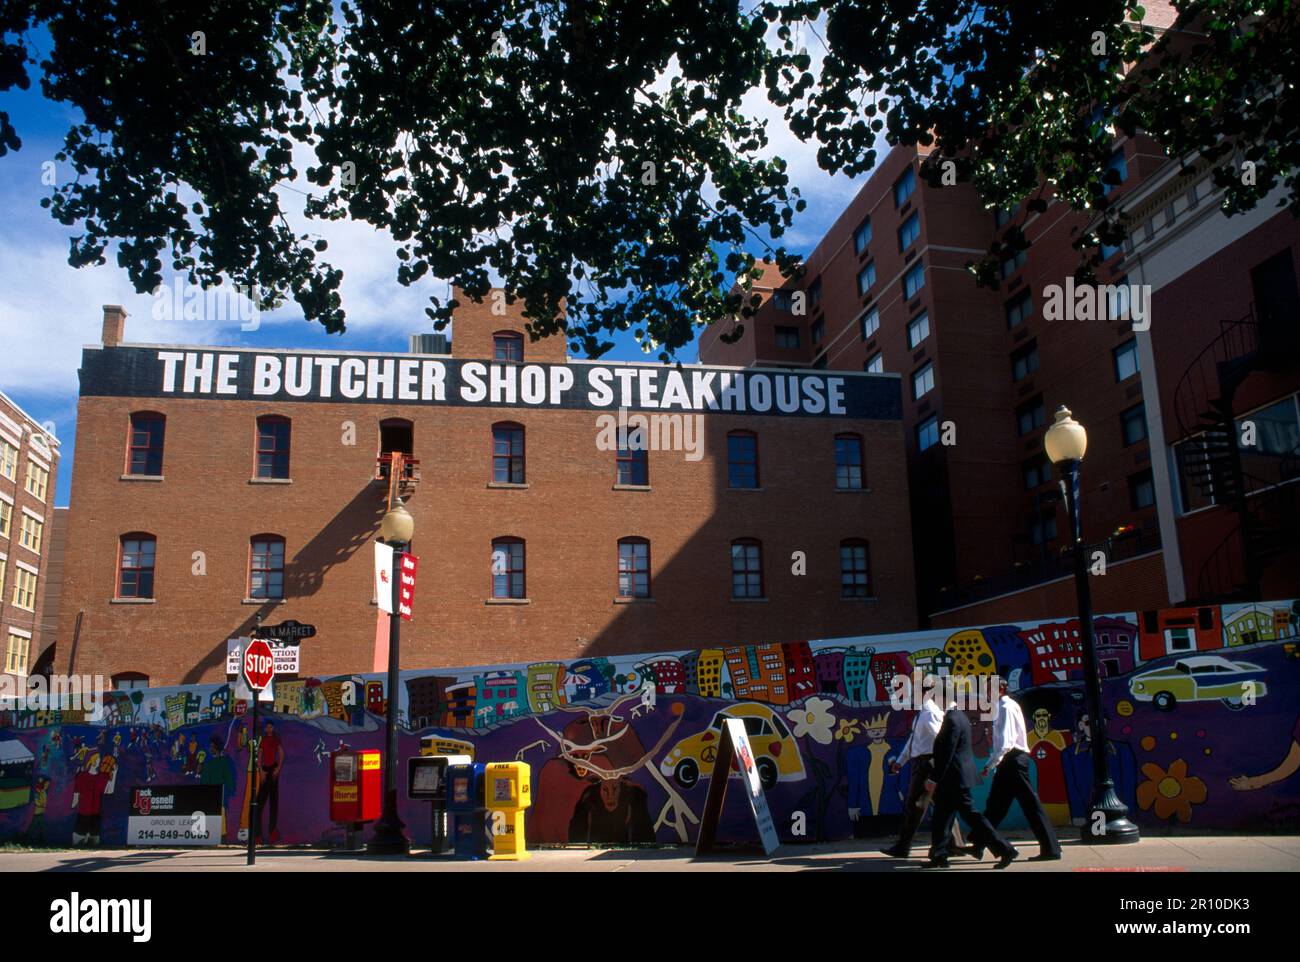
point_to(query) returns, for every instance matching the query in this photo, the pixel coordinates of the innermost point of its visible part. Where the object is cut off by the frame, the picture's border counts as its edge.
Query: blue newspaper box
(467, 806)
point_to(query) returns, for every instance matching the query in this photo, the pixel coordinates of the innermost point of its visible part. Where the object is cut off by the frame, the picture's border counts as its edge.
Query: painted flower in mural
(814, 719)
(1172, 792)
(848, 729)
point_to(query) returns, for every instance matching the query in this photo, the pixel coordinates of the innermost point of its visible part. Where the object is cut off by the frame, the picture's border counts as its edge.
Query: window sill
(270, 480)
(141, 477)
(751, 600)
(631, 487)
(867, 600)
(507, 486)
(507, 601)
(263, 601)
(852, 490)
(757, 490)
(132, 601)
(633, 601)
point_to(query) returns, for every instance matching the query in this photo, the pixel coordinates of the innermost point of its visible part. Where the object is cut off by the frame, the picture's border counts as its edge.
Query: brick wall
(1137, 584)
(570, 516)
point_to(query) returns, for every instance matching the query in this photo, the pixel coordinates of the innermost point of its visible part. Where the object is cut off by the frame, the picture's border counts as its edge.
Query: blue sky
(48, 309)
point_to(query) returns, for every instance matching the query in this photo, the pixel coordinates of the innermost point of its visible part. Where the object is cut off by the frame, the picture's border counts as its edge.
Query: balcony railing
(1127, 541)
(384, 468)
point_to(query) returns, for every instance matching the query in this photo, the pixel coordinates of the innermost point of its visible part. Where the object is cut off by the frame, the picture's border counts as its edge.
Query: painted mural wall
(621, 748)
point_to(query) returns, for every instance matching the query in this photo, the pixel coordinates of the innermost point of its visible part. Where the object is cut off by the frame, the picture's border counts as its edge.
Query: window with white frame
(870, 322)
(922, 381)
(918, 329)
(38, 478)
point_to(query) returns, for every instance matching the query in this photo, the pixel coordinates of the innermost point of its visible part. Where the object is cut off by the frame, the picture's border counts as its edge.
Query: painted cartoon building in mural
(1202, 704)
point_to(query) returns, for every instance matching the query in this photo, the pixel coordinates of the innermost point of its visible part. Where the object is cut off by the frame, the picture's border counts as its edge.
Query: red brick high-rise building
(888, 289)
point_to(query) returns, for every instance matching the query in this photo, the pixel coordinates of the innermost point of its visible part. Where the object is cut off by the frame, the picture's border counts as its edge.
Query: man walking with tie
(919, 751)
(1009, 763)
(951, 782)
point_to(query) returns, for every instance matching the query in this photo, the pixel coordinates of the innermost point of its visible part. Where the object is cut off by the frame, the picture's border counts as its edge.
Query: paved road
(1193, 854)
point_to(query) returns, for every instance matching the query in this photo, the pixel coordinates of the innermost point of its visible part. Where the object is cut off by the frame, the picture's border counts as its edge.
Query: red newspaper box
(356, 786)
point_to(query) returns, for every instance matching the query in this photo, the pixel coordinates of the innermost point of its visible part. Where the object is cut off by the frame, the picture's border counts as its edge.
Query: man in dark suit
(951, 782)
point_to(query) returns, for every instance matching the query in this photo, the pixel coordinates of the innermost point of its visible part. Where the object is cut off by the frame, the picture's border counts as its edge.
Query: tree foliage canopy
(598, 155)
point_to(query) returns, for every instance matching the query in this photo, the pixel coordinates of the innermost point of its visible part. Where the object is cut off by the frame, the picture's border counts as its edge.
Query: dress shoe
(893, 851)
(936, 863)
(1045, 857)
(1011, 855)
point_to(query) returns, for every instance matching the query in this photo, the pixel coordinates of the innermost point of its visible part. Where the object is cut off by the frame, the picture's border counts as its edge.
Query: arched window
(508, 568)
(266, 566)
(507, 453)
(848, 462)
(633, 568)
(855, 569)
(742, 459)
(396, 434)
(746, 568)
(632, 464)
(145, 446)
(507, 346)
(273, 438)
(130, 680)
(135, 565)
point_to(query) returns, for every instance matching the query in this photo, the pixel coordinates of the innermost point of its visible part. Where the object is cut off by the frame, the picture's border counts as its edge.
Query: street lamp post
(390, 834)
(1066, 441)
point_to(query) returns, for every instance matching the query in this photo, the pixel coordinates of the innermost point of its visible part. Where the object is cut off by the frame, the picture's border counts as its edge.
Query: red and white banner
(406, 590)
(384, 576)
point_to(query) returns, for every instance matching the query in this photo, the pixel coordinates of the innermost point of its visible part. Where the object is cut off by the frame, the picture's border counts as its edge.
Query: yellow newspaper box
(509, 791)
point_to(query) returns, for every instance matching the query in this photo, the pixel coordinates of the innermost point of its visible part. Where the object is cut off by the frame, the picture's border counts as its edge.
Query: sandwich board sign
(735, 748)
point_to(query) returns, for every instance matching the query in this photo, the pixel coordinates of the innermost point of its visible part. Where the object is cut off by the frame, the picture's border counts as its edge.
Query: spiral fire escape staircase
(1210, 456)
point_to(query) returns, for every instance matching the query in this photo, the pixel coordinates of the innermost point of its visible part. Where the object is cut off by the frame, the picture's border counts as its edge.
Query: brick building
(888, 289)
(29, 463)
(1221, 356)
(216, 488)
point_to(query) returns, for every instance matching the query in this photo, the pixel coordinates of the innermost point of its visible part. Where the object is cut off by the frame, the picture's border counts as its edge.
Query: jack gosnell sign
(284, 376)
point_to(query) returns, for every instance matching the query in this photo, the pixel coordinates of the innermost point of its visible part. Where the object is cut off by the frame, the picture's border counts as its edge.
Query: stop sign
(259, 664)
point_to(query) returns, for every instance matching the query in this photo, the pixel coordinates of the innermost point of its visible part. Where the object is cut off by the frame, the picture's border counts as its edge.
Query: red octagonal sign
(259, 664)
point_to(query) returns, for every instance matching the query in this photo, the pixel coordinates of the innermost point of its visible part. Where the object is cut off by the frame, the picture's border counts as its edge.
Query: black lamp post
(390, 834)
(1066, 441)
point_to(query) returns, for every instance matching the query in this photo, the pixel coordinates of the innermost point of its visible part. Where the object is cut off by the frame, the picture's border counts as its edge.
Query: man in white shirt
(1009, 763)
(918, 750)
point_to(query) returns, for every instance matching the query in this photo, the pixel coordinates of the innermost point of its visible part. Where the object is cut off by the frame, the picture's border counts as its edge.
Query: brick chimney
(114, 324)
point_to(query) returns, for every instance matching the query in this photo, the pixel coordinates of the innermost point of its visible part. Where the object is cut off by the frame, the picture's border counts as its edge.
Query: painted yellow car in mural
(776, 753)
(1200, 678)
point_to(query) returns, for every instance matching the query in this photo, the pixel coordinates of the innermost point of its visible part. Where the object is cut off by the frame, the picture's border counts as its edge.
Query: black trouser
(922, 766)
(949, 802)
(1011, 782)
(268, 790)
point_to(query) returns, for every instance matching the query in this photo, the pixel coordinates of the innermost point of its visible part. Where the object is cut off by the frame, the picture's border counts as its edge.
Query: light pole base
(1108, 822)
(389, 839)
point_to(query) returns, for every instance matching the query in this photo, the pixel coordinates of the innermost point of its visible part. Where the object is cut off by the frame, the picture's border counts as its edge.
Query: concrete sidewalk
(1270, 853)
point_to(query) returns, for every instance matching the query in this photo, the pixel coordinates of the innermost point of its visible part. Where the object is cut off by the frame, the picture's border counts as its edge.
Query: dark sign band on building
(444, 381)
